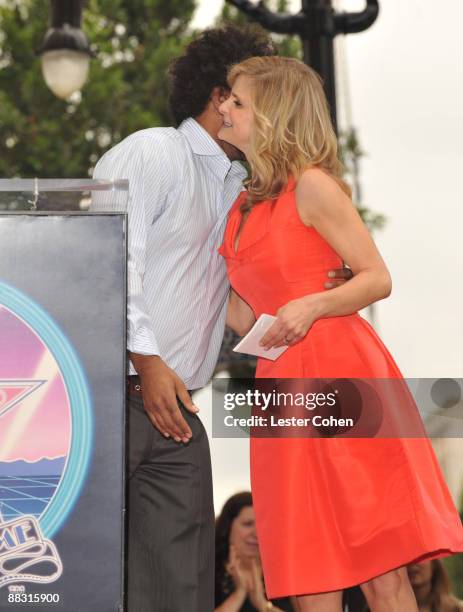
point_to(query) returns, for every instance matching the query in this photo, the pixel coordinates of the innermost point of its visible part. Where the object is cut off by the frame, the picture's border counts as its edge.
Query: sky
(405, 78)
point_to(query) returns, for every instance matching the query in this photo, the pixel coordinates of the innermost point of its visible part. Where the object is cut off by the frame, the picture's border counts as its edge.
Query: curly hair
(205, 64)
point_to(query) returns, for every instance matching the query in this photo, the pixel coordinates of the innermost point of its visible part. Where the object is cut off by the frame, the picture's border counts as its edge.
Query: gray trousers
(170, 517)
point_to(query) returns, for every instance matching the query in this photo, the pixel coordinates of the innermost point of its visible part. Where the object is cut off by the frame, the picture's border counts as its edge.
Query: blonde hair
(292, 126)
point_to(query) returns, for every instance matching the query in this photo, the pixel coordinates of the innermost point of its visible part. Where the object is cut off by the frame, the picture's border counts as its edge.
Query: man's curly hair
(205, 65)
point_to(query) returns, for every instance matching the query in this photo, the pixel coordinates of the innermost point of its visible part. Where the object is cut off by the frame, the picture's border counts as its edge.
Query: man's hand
(338, 277)
(160, 388)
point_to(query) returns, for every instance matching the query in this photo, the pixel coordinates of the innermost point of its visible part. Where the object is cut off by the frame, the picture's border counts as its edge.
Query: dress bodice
(278, 257)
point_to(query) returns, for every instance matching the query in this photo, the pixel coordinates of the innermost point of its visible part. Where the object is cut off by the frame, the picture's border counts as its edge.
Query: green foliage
(134, 41)
(350, 153)
(454, 565)
(289, 46)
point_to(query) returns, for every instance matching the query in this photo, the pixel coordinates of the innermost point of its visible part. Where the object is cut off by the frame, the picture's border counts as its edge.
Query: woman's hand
(257, 591)
(294, 320)
(241, 577)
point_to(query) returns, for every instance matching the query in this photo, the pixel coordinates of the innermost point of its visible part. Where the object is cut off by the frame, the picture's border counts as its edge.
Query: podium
(62, 396)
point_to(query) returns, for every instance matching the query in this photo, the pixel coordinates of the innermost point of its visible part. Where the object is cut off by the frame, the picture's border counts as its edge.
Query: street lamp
(65, 51)
(316, 24)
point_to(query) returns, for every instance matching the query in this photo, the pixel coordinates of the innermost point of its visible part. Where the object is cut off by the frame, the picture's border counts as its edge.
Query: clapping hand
(241, 577)
(248, 580)
(257, 591)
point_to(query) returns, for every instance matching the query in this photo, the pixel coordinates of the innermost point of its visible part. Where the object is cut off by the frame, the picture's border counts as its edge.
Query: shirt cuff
(143, 342)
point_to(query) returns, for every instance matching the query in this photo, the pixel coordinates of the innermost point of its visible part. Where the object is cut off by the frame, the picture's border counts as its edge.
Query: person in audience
(239, 585)
(431, 585)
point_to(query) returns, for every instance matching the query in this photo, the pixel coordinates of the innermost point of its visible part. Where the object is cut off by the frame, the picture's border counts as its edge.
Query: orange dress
(330, 512)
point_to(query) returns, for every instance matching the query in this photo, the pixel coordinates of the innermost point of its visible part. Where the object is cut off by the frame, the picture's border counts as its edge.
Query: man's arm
(160, 384)
(160, 387)
(240, 316)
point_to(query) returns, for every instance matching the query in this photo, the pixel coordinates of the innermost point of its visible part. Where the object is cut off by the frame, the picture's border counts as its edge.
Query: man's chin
(231, 151)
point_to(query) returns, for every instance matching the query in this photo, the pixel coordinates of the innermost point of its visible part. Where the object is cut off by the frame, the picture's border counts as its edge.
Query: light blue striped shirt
(181, 187)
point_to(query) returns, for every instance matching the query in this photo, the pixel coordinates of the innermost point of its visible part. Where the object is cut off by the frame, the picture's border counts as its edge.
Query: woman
(431, 586)
(330, 513)
(238, 573)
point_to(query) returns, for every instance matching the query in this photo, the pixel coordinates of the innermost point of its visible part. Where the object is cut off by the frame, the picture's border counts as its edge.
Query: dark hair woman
(432, 588)
(238, 574)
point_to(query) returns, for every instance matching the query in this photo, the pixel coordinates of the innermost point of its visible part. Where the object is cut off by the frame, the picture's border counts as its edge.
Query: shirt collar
(202, 143)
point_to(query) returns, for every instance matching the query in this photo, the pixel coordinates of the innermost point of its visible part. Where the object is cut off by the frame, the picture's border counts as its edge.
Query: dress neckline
(236, 234)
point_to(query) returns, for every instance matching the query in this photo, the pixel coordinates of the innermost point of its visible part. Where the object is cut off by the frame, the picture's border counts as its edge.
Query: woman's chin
(222, 135)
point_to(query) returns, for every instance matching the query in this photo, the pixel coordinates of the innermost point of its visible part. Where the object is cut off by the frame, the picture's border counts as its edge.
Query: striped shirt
(181, 187)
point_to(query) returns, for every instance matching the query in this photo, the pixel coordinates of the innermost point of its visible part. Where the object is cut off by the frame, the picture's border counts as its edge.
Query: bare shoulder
(318, 193)
(317, 182)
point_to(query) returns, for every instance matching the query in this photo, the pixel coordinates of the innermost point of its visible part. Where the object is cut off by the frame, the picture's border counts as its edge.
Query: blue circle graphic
(75, 381)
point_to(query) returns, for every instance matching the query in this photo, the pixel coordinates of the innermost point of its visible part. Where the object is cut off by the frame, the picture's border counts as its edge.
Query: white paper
(250, 343)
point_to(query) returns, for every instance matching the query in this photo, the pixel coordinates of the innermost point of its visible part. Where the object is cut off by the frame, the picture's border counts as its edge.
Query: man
(182, 183)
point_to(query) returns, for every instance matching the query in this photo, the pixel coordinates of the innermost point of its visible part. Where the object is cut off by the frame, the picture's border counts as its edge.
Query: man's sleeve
(126, 161)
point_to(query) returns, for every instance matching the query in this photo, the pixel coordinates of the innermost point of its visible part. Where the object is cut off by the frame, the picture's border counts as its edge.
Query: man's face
(231, 152)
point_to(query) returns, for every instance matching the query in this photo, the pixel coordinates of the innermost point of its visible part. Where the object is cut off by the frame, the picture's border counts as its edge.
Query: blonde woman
(330, 513)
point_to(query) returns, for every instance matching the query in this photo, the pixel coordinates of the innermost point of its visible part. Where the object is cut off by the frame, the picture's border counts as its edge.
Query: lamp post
(65, 51)
(316, 24)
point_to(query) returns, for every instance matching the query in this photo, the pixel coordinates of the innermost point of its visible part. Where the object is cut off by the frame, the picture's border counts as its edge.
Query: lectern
(62, 390)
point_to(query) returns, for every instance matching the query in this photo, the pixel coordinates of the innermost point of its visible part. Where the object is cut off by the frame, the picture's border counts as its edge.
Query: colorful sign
(62, 382)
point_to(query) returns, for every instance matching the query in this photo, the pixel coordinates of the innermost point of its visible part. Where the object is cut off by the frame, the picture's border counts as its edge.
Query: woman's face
(420, 573)
(238, 116)
(243, 534)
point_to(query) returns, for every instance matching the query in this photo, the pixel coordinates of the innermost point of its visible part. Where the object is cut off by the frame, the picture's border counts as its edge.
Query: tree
(289, 46)
(134, 41)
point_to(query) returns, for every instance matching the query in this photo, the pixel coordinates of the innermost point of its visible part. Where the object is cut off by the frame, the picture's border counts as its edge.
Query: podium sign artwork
(62, 370)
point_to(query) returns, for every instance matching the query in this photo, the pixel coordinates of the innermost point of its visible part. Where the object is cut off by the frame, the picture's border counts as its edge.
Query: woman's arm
(240, 317)
(322, 204)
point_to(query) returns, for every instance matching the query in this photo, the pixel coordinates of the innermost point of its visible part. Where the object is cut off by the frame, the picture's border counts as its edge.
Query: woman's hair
(205, 63)
(441, 598)
(223, 525)
(292, 125)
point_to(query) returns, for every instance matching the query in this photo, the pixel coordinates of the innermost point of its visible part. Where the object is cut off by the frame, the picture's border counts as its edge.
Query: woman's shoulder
(318, 181)
(318, 194)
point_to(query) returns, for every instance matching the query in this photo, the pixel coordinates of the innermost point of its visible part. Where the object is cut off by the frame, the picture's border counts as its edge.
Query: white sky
(406, 84)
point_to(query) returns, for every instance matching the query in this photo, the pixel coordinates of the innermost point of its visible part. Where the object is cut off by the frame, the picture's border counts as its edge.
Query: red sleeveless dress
(330, 512)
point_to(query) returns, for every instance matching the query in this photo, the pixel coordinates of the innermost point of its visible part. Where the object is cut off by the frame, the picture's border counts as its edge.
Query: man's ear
(219, 95)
